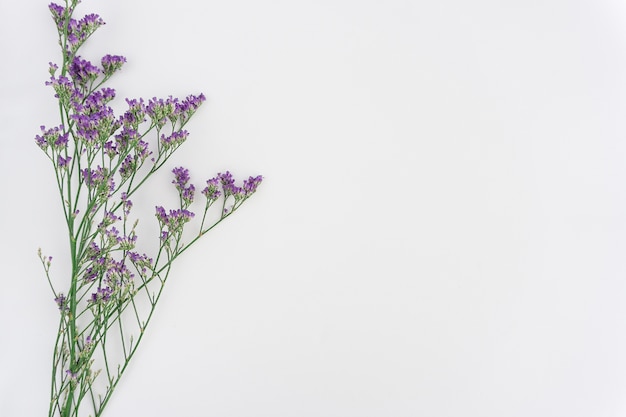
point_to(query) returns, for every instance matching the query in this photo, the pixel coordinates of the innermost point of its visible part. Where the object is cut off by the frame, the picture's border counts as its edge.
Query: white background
(440, 231)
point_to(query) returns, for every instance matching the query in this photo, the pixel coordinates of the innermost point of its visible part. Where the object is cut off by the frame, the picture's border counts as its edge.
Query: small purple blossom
(128, 242)
(188, 107)
(230, 189)
(91, 273)
(211, 191)
(112, 63)
(118, 274)
(136, 113)
(128, 167)
(61, 301)
(53, 137)
(141, 262)
(77, 30)
(52, 69)
(250, 185)
(99, 180)
(108, 219)
(63, 162)
(128, 204)
(83, 71)
(125, 137)
(141, 150)
(174, 140)
(161, 110)
(228, 185)
(65, 90)
(175, 220)
(181, 178)
(58, 13)
(101, 295)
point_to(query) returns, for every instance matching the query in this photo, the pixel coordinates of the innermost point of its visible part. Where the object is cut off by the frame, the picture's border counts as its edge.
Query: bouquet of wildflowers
(100, 161)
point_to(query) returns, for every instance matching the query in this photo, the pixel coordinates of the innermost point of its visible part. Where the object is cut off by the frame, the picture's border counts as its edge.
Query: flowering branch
(100, 161)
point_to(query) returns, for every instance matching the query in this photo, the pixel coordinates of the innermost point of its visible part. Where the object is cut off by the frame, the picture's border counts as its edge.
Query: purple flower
(112, 63)
(90, 274)
(118, 274)
(175, 139)
(160, 110)
(141, 262)
(211, 191)
(58, 12)
(126, 136)
(95, 121)
(161, 215)
(101, 295)
(108, 219)
(173, 109)
(250, 185)
(53, 137)
(99, 180)
(127, 203)
(128, 167)
(83, 71)
(93, 250)
(228, 185)
(188, 107)
(52, 68)
(135, 114)
(63, 162)
(181, 177)
(113, 235)
(141, 150)
(61, 302)
(127, 242)
(175, 220)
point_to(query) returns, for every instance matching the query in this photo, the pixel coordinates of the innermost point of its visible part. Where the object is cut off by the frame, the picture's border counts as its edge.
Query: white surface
(441, 231)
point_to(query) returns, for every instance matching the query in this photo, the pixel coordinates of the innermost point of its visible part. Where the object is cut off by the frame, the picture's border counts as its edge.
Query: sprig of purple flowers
(100, 161)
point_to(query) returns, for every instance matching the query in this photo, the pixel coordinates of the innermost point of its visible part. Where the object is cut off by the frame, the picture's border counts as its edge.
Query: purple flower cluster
(108, 219)
(101, 295)
(63, 162)
(250, 185)
(174, 220)
(230, 189)
(95, 120)
(112, 63)
(61, 301)
(99, 180)
(211, 191)
(128, 205)
(141, 262)
(77, 30)
(135, 115)
(53, 137)
(83, 72)
(127, 242)
(173, 109)
(115, 272)
(174, 140)
(186, 192)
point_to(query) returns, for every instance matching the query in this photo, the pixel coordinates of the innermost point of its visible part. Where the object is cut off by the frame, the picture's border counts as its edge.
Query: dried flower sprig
(100, 161)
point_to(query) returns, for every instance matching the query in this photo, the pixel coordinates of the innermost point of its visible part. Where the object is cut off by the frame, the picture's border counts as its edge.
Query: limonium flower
(100, 161)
